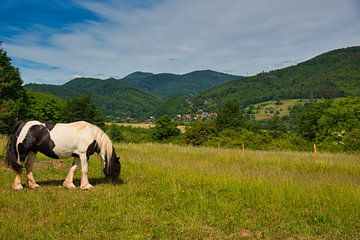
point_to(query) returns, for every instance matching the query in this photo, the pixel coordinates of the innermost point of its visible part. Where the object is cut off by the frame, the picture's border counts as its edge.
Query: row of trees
(334, 125)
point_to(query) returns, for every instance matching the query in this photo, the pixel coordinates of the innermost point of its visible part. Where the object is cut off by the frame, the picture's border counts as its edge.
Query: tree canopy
(165, 128)
(12, 94)
(82, 108)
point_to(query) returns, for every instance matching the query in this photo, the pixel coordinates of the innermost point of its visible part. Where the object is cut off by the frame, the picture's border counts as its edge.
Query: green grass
(180, 192)
(268, 109)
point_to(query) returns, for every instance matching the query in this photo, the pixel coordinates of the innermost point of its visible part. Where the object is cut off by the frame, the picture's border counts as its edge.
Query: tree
(276, 126)
(229, 115)
(199, 132)
(330, 120)
(44, 107)
(307, 121)
(165, 129)
(82, 108)
(12, 94)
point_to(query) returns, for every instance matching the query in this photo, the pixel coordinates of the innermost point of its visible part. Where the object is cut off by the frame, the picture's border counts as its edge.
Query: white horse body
(70, 140)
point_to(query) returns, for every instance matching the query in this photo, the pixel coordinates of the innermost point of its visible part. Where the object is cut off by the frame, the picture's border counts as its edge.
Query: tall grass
(180, 192)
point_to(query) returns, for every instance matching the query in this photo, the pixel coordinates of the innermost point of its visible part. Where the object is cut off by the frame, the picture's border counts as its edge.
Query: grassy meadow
(145, 125)
(181, 192)
(266, 110)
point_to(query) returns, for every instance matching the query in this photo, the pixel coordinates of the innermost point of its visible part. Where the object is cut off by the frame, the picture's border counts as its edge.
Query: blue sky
(53, 41)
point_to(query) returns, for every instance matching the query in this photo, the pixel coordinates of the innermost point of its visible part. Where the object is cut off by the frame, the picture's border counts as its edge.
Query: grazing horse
(60, 140)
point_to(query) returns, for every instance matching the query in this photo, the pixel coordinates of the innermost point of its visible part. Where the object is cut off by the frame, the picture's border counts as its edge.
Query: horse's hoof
(86, 187)
(69, 185)
(17, 187)
(33, 185)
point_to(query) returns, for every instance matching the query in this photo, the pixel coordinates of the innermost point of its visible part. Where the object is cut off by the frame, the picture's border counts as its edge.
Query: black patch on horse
(18, 127)
(92, 148)
(75, 155)
(36, 140)
(50, 126)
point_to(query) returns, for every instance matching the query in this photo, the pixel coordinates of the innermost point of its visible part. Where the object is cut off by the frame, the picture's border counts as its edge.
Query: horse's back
(72, 137)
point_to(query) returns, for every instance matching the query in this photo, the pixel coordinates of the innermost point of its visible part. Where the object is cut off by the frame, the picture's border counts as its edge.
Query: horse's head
(112, 169)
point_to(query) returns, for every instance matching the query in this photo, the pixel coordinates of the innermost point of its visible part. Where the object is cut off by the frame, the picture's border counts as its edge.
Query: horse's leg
(84, 171)
(17, 181)
(29, 167)
(68, 183)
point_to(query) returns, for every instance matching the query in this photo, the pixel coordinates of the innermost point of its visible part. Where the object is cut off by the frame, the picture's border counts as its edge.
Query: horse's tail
(11, 151)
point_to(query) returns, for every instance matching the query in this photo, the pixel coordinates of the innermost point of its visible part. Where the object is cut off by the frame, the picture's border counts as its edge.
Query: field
(145, 125)
(181, 192)
(266, 110)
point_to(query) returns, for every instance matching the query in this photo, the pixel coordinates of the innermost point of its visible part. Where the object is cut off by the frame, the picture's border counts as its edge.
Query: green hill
(172, 85)
(139, 94)
(112, 97)
(329, 75)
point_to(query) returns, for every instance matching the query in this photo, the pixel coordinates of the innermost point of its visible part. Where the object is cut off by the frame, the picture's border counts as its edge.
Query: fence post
(315, 150)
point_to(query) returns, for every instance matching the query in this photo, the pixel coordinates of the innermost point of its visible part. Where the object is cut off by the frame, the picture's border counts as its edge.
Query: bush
(290, 141)
(114, 133)
(165, 129)
(199, 133)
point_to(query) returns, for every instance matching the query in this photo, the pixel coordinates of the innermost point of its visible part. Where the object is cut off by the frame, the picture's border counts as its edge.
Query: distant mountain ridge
(138, 94)
(174, 85)
(329, 75)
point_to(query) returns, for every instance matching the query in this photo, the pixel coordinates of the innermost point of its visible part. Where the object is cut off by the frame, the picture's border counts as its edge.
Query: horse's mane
(103, 141)
(105, 144)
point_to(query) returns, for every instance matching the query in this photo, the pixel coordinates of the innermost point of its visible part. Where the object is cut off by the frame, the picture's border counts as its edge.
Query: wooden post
(314, 149)
(243, 147)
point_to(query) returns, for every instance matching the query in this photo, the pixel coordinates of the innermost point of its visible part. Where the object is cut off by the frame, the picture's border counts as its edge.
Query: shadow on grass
(93, 181)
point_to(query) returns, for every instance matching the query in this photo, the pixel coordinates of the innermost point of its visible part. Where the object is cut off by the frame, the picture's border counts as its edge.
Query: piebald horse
(60, 140)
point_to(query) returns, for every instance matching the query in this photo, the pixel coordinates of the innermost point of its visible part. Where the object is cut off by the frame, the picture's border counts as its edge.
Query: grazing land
(135, 125)
(145, 125)
(181, 192)
(268, 109)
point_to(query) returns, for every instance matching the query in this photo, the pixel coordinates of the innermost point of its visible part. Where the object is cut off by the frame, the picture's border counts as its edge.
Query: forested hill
(173, 85)
(329, 75)
(112, 97)
(139, 94)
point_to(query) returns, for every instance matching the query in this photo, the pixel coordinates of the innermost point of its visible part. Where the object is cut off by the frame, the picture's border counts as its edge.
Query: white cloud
(237, 36)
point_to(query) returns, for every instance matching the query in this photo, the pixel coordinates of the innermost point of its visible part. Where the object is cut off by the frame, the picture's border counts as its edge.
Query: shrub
(199, 133)
(114, 133)
(165, 129)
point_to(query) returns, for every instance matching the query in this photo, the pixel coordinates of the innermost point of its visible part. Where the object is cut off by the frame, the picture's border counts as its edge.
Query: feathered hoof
(86, 187)
(69, 185)
(33, 185)
(17, 187)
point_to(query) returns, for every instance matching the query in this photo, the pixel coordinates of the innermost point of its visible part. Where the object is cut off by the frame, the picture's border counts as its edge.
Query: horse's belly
(63, 153)
(64, 145)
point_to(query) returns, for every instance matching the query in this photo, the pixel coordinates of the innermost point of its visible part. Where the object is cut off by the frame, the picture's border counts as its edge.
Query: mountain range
(329, 75)
(140, 94)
